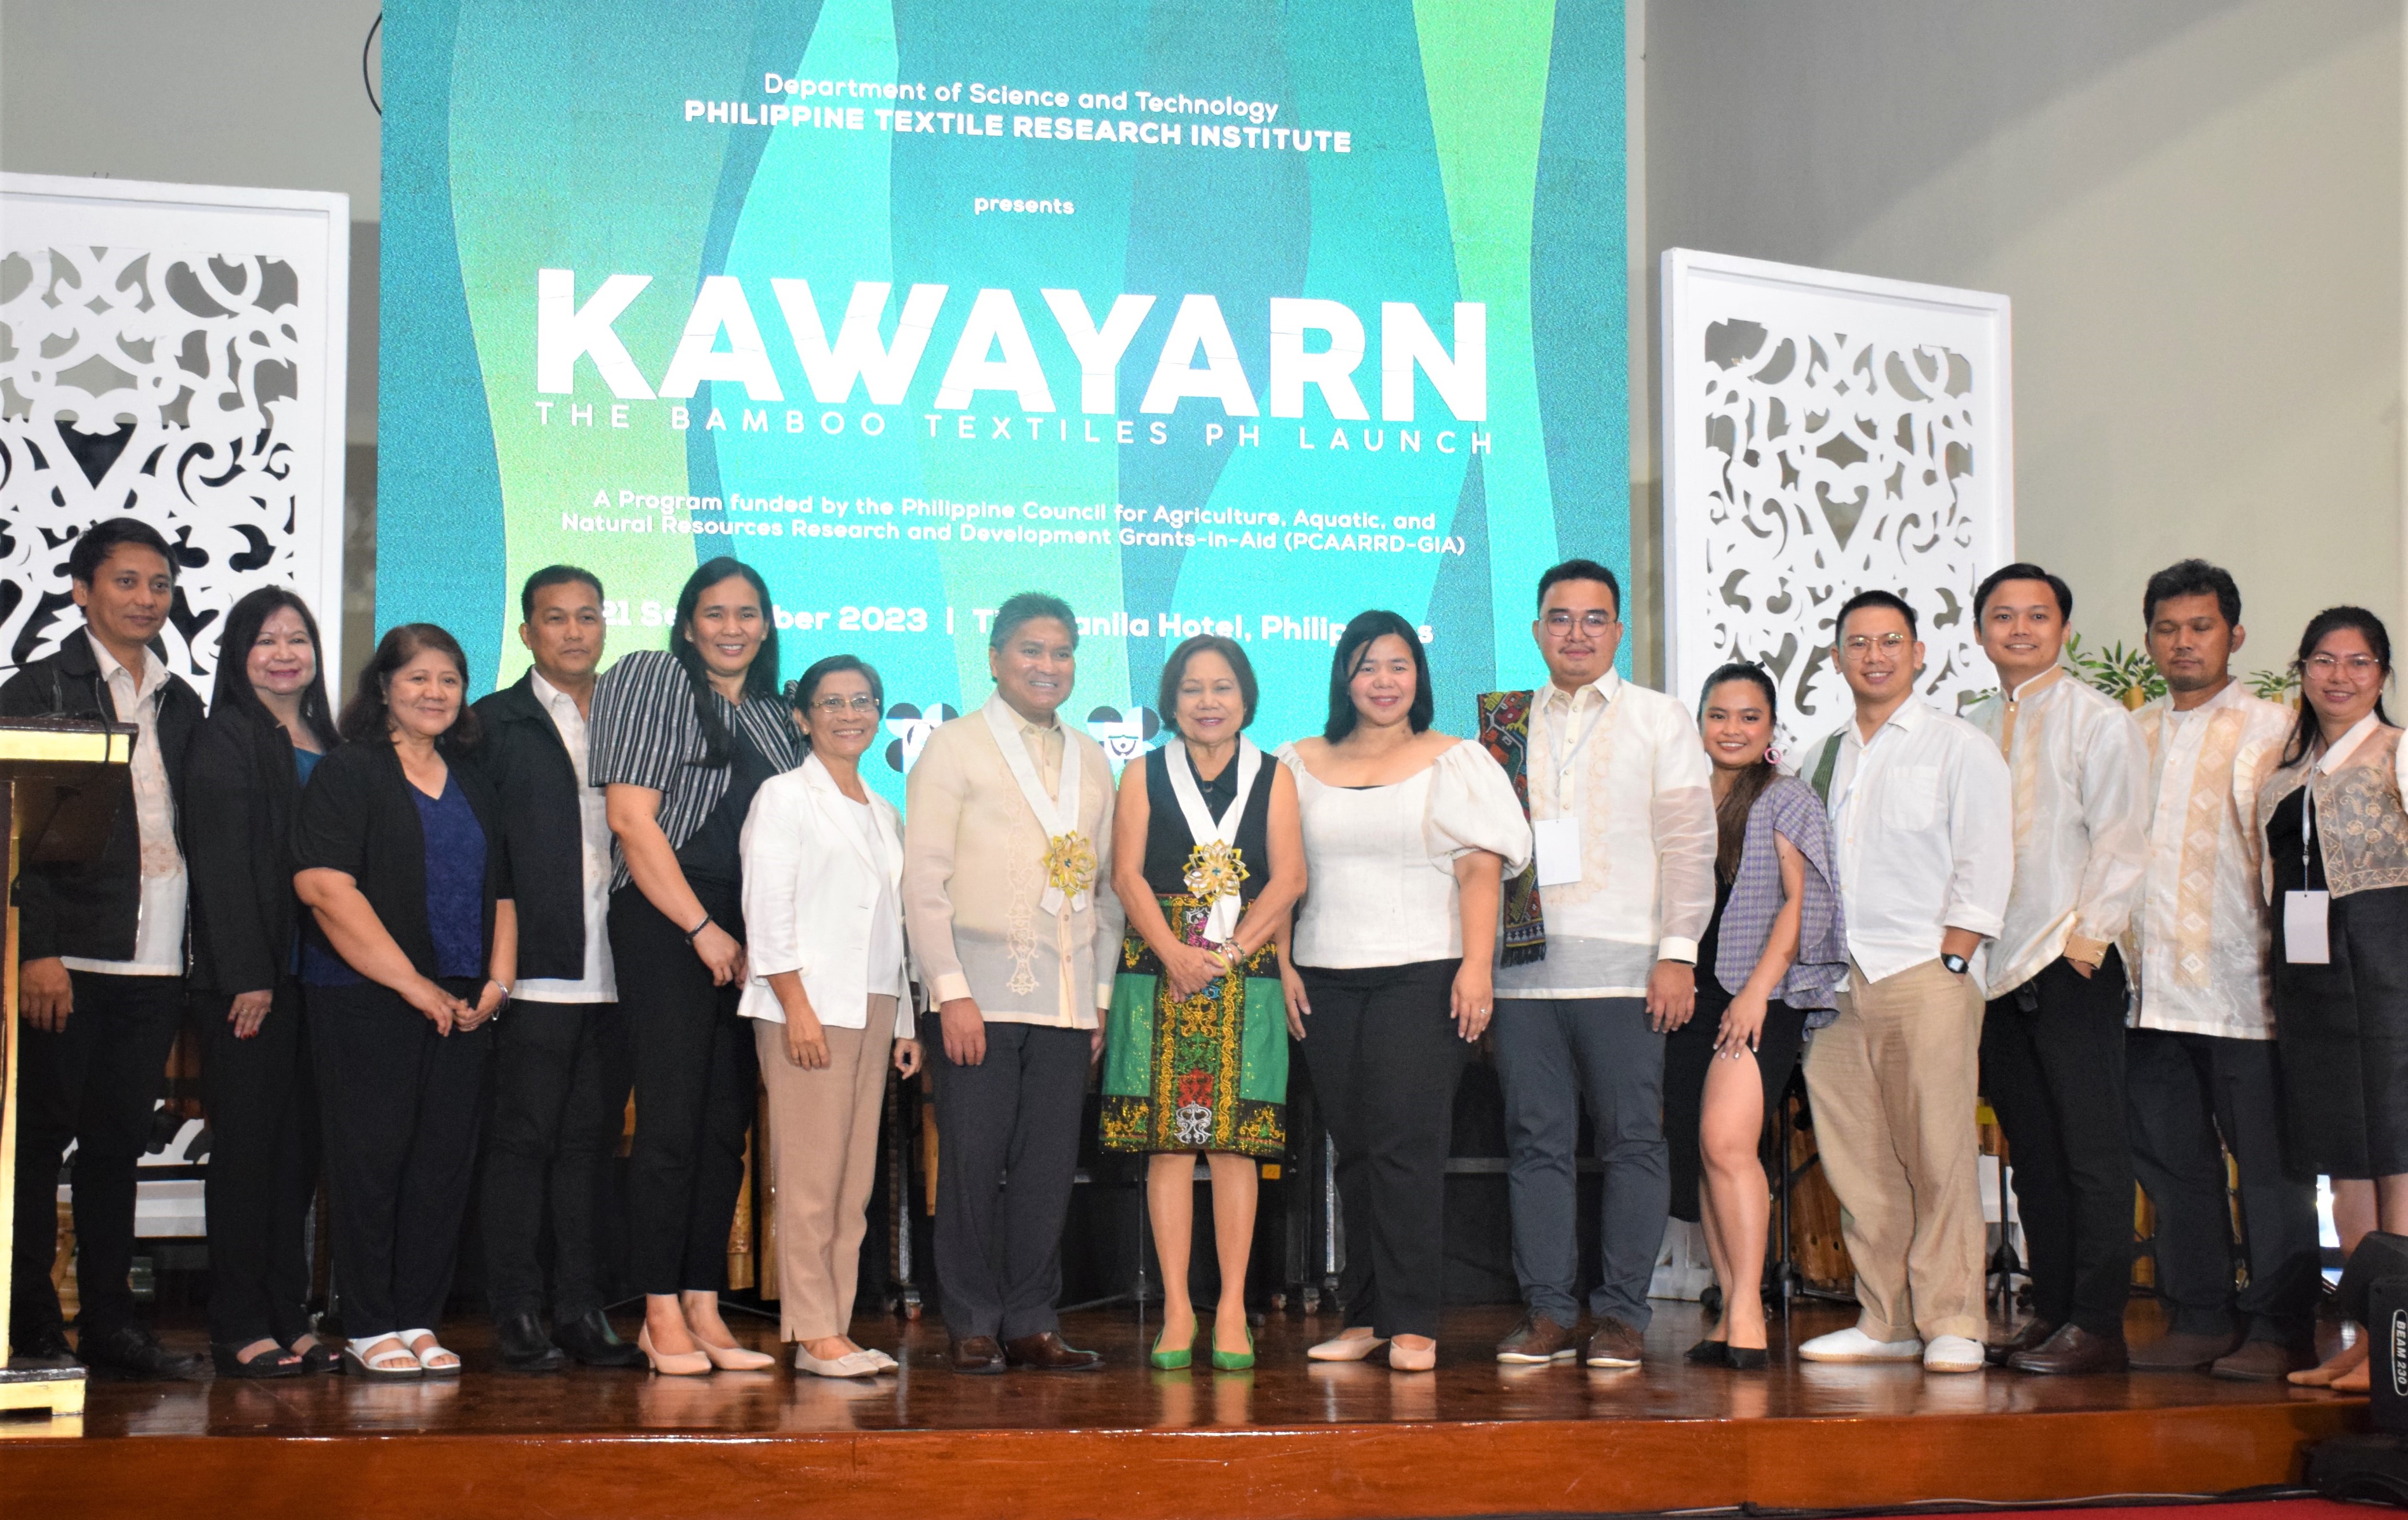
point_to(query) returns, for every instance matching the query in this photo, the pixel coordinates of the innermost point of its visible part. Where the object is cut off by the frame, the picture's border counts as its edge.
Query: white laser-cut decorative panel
(1826, 434)
(174, 352)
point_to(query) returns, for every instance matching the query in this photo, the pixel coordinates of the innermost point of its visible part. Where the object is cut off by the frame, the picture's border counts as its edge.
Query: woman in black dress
(1208, 858)
(2336, 837)
(1767, 967)
(269, 725)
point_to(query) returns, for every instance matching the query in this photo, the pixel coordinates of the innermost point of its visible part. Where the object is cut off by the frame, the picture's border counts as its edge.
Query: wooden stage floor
(1289, 1439)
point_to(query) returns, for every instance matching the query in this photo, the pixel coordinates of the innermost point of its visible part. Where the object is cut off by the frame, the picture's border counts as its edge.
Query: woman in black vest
(412, 948)
(681, 738)
(269, 725)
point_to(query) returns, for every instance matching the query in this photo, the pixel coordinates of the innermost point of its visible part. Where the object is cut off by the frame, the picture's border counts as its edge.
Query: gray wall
(2195, 204)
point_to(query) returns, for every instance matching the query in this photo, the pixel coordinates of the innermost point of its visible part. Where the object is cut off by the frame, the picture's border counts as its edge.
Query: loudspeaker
(2368, 1468)
(2385, 1327)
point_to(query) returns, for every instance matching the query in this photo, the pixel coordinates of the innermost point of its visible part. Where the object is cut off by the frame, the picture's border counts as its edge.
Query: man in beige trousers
(1922, 810)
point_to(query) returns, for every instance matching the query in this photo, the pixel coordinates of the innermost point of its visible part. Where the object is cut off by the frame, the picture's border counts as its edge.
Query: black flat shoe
(521, 1345)
(132, 1352)
(276, 1363)
(1710, 1354)
(1745, 1359)
(590, 1339)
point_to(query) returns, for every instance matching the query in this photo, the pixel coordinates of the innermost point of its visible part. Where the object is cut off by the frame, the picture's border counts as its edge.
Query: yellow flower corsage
(1070, 862)
(1216, 870)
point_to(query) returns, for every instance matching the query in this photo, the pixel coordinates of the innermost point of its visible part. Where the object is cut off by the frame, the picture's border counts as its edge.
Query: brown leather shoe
(2073, 1349)
(2183, 1351)
(1614, 1344)
(2034, 1332)
(1048, 1354)
(2263, 1361)
(976, 1354)
(1535, 1340)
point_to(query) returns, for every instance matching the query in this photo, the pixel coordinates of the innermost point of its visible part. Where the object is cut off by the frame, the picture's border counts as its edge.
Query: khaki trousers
(822, 1163)
(1893, 1080)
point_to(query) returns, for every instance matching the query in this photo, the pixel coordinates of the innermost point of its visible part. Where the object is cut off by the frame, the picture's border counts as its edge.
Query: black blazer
(88, 908)
(535, 782)
(357, 817)
(240, 790)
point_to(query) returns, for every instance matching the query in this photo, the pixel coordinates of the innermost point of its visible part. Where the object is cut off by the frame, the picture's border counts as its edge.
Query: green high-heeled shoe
(1172, 1361)
(1235, 1361)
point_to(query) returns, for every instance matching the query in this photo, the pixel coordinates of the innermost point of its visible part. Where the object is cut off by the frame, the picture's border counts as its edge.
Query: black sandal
(276, 1363)
(325, 1356)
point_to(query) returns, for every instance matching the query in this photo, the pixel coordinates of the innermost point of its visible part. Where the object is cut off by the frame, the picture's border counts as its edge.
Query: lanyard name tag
(2305, 941)
(1556, 847)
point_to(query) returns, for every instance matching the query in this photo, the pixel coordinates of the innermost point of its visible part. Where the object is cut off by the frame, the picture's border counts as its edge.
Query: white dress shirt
(823, 896)
(159, 921)
(1381, 859)
(1628, 764)
(599, 984)
(1926, 832)
(2079, 771)
(2199, 942)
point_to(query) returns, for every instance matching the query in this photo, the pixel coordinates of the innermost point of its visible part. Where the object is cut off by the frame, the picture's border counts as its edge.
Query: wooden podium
(63, 781)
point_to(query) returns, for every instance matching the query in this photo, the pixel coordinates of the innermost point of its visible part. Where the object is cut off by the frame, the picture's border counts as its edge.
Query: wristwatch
(1955, 964)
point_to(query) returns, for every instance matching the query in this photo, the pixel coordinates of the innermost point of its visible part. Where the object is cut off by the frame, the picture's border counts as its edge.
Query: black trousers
(2192, 1098)
(262, 1101)
(402, 1104)
(1386, 1060)
(1007, 1153)
(2053, 1069)
(95, 1084)
(697, 1087)
(561, 1075)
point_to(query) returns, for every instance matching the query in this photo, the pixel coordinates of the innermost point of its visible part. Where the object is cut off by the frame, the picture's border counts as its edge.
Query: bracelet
(697, 928)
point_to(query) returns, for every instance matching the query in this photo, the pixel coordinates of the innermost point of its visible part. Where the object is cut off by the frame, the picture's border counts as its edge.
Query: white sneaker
(1953, 1354)
(1854, 1345)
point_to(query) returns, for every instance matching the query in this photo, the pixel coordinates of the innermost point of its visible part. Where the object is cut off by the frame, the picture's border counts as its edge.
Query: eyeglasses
(1559, 621)
(2357, 667)
(1856, 646)
(859, 702)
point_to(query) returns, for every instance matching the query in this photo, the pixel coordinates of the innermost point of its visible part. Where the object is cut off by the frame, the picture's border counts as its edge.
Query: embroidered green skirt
(1207, 1073)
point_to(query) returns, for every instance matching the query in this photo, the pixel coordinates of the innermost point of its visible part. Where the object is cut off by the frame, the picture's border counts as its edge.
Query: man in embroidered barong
(1006, 856)
(2201, 1074)
(2052, 1033)
(1599, 961)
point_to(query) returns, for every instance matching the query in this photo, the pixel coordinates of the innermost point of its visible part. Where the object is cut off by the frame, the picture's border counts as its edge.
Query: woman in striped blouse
(681, 739)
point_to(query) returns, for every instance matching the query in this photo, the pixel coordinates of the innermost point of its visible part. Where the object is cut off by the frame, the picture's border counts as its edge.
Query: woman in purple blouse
(1770, 963)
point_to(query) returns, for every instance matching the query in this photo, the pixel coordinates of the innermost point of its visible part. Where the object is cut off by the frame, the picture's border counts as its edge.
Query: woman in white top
(1408, 834)
(831, 999)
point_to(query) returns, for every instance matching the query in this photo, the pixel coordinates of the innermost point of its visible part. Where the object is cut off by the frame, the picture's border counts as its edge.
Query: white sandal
(398, 1365)
(427, 1365)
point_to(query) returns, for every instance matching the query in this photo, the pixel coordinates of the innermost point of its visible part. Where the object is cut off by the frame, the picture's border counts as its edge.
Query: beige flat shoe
(1403, 1359)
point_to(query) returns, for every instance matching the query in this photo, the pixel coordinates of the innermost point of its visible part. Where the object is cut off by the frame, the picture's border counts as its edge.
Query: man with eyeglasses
(1599, 956)
(1921, 810)
(2053, 1039)
(561, 1069)
(2202, 1076)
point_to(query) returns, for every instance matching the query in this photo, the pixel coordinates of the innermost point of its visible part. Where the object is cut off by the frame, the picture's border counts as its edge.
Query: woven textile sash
(1505, 734)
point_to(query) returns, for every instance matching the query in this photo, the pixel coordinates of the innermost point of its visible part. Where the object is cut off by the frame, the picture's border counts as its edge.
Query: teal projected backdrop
(1235, 316)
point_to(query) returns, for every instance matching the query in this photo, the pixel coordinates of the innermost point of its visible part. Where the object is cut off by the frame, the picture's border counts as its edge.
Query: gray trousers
(1007, 1150)
(2188, 1091)
(1552, 1054)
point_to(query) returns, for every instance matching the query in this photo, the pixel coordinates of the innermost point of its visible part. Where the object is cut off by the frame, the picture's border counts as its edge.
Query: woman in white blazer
(830, 995)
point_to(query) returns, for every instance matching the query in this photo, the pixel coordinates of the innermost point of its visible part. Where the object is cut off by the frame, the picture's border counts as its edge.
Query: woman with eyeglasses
(830, 1001)
(2336, 869)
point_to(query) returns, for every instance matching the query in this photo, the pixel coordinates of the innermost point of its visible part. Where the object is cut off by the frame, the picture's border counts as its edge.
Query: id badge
(2304, 941)
(1556, 847)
